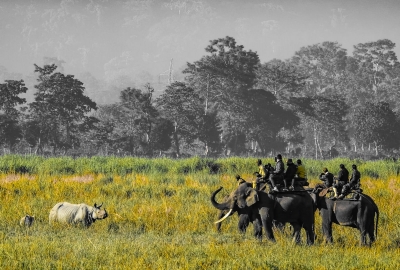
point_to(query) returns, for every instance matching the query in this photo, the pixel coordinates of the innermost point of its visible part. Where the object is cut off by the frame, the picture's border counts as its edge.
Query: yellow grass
(167, 222)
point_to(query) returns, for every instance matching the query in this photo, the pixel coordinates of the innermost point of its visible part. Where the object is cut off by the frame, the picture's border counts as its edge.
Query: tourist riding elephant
(356, 213)
(296, 208)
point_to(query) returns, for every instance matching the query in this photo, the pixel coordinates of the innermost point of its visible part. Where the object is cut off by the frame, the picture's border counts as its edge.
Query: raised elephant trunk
(220, 206)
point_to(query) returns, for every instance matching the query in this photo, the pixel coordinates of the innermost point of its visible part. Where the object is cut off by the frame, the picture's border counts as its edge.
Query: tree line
(319, 103)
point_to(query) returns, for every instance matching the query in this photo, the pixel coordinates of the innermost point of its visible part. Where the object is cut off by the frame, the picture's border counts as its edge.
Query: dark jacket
(355, 178)
(279, 168)
(343, 175)
(290, 171)
(327, 178)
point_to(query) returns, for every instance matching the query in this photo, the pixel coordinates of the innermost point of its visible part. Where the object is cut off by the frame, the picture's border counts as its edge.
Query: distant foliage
(322, 102)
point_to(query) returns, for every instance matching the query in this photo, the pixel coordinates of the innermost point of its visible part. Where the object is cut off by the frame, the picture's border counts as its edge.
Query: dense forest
(322, 102)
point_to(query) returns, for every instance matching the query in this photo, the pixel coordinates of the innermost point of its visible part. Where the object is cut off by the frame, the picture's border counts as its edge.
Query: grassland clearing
(160, 217)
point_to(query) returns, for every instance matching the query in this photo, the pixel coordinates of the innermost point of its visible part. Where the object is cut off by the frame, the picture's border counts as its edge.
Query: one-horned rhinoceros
(68, 213)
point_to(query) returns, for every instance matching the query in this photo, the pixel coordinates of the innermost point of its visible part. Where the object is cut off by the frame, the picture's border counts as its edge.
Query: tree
(133, 124)
(210, 132)
(283, 79)
(267, 119)
(221, 79)
(221, 76)
(376, 123)
(161, 135)
(376, 65)
(135, 118)
(183, 107)
(138, 112)
(59, 107)
(325, 65)
(102, 137)
(9, 93)
(10, 131)
(323, 122)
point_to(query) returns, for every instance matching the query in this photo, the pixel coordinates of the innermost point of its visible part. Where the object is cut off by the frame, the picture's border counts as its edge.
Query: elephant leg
(244, 222)
(310, 234)
(370, 227)
(327, 231)
(363, 234)
(296, 232)
(371, 233)
(266, 219)
(257, 227)
(363, 226)
(327, 225)
(363, 237)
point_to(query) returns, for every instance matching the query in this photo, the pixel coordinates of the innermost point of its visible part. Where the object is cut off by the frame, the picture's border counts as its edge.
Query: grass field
(161, 217)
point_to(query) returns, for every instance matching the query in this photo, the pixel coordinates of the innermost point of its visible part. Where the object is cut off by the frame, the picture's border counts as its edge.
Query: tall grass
(161, 217)
(127, 165)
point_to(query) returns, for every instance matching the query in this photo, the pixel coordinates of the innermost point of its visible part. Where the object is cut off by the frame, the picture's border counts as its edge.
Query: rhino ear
(95, 205)
(252, 196)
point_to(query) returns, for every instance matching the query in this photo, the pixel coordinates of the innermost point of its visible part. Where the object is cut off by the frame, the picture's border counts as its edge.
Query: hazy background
(113, 44)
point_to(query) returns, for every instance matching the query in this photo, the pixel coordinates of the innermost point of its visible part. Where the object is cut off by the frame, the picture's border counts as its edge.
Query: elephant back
(287, 201)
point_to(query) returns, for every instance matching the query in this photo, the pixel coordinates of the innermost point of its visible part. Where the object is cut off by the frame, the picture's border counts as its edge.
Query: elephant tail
(377, 218)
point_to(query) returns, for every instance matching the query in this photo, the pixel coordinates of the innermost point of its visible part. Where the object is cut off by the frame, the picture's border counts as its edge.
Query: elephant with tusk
(245, 217)
(296, 208)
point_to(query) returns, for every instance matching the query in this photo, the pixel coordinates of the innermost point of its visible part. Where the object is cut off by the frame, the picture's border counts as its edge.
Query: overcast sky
(124, 37)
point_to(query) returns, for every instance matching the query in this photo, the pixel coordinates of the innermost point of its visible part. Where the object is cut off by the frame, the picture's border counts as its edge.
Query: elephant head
(243, 196)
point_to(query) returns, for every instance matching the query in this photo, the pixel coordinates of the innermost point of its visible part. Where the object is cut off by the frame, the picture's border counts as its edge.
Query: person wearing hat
(276, 176)
(300, 175)
(342, 179)
(289, 174)
(327, 177)
(262, 174)
(354, 182)
(261, 169)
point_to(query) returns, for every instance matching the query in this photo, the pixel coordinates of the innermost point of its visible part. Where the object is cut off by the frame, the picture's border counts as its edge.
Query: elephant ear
(251, 196)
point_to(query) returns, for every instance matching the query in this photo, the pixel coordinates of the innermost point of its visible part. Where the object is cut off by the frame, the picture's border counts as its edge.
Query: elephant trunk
(219, 206)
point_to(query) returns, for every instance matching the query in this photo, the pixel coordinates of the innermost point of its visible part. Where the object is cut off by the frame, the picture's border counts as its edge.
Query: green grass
(128, 165)
(160, 217)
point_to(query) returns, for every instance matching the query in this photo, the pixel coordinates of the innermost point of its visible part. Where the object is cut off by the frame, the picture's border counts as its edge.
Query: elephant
(357, 212)
(296, 208)
(245, 217)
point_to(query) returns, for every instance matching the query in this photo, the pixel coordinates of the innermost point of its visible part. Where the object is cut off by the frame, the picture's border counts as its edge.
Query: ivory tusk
(227, 215)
